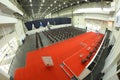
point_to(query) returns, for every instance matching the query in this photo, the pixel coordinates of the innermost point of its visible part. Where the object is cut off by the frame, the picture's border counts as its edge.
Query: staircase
(68, 72)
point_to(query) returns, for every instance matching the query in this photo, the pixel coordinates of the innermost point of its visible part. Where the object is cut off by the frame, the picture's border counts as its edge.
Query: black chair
(89, 56)
(84, 61)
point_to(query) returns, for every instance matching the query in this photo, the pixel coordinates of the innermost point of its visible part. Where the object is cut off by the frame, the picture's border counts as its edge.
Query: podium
(47, 60)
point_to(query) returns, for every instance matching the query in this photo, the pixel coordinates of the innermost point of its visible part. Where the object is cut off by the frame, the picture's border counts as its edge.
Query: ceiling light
(48, 7)
(64, 3)
(107, 2)
(71, 4)
(86, 0)
(31, 5)
(41, 4)
(30, 1)
(43, 1)
(59, 5)
(78, 2)
(51, 5)
(32, 11)
(55, 1)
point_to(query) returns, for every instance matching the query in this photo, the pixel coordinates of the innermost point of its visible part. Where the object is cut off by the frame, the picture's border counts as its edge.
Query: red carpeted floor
(67, 52)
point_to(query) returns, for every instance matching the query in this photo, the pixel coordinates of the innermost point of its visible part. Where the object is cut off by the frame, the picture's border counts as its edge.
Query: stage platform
(67, 56)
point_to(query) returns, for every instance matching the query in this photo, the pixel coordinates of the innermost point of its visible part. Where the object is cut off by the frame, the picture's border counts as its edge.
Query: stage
(67, 56)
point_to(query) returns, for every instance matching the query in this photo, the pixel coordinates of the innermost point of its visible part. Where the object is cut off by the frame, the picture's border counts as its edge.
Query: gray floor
(45, 40)
(20, 58)
(29, 45)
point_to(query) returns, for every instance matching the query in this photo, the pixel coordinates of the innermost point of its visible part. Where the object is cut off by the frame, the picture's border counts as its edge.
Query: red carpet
(67, 51)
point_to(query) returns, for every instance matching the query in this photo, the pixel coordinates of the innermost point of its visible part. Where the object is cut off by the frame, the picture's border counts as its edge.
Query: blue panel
(28, 25)
(52, 21)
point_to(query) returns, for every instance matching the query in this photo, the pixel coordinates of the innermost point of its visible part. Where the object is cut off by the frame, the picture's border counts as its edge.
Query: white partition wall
(111, 61)
(11, 35)
(4, 76)
(111, 68)
(7, 52)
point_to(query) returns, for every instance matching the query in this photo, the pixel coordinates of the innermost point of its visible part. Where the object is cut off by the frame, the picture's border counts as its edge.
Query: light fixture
(59, 5)
(53, 9)
(107, 2)
(31, 5)
(41, 4)
(71, 4)
(30, 1)
(93, 10)
(51, 5)
(48, 7)
(78, 2)
(32, 10)
(64, 3)
(55, 1)
(43, 1)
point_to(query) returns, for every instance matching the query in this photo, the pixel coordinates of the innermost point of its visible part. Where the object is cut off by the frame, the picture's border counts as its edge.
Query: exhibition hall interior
(59, 40)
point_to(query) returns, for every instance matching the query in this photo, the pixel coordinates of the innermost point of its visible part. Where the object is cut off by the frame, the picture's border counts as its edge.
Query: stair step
(67, 71)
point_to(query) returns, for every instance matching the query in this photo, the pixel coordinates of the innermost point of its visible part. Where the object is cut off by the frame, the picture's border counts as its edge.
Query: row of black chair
(91, 52)
(38, 41)
(56, 35)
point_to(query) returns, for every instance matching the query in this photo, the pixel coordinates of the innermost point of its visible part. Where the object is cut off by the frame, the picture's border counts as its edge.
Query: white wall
(81, 19)
(3, 75)
(111, 64)
(117, 5)
(111, 60)
(110, 68)
(98, 24)
(112, 39)
(8, 45)
(20, 31)
(4, 29)
(13, 34)
(68, 11)
(10, 6)
(11, 30)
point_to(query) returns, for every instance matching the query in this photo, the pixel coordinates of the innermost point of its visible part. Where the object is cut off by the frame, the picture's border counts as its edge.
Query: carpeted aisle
(67, 51)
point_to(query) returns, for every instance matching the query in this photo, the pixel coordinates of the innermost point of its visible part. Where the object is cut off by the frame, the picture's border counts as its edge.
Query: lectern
(47, 60)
